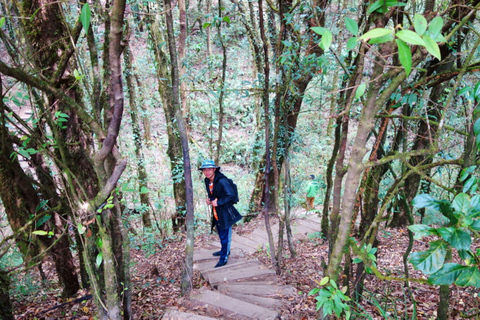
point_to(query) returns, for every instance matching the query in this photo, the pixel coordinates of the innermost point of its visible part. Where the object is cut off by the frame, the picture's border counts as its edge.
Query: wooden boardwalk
(244, 288)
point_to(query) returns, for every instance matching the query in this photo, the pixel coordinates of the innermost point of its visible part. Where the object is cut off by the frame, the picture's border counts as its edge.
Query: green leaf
(431, 260)
(461, 203)
(40, 232)
(463, 91)
(422, 230)
(424, 200)
(404, 55)
(318, 30)
(351, 25)
(447, 274)
(144, 190)
(226, 19)
(468, 170)
(2, 21)
(326, 41)
(476, 95)
(460, 240)
(206, 25)
(42, 220)
(420, 24)
(469, 276)
(352, 43)
(410, 37)
(81, 228)
(375, 33)
(375, 6)
(432, 47)
(360, 90)
(99, 259)
(469, 183)
(475, 225)
(383, 39)
(446, 233)
(324, 281)
(85, 16)
(435, 27)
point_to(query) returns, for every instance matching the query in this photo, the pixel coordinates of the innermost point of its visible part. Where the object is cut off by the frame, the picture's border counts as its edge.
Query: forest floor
(156, 283)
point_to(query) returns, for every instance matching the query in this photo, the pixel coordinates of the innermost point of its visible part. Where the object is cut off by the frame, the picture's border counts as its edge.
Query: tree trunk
(187, 272)
(221, 112)
(174, 150)
(133, 111)
(6, 310)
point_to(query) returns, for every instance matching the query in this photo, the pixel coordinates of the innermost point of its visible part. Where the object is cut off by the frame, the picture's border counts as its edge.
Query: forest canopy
(109, 107)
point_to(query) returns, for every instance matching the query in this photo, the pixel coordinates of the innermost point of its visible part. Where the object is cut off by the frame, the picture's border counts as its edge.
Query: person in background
(221, 196)
(311, 192)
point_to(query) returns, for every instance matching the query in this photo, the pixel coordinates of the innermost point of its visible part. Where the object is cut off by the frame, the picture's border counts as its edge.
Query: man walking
(221, 196)
(312, 189)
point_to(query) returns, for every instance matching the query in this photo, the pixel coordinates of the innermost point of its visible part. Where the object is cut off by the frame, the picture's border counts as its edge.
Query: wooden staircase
(244, 288)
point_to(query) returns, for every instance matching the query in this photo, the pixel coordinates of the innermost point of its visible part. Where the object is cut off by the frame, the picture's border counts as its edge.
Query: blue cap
(207, 164)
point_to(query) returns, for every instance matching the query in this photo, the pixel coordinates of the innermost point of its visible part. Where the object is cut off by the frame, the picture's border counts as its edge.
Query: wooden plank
(257, 289)
(234, 306)
(205, 265)
(244, 274)
(232, 266)
(269, 303)
(206, 254)
(172, 314)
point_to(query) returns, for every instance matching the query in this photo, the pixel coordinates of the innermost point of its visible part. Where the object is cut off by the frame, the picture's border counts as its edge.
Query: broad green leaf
(432, 47)
(360, 90)
(463, 91)
(352, 43)
(326, 41)
(206, 25)
(431, 260)
(476, 93)
(375, 6)
(324, 281)
(40, 232)
(460, 240)
(469, 183)
(469, 276)
(469, 170)
(351, 25)
(318, 30)
(383, 39)
(435, 27)
(447, 274)
(375, 33)
(85, 16)
(410, 37)
(461, 203)
(422, 230)
(99, 259)
(81, 228)
(144, 190)
(404, 55)
(2, 21)
(226, 19)
(424, 200)
(446, 233)
(42, 220)
(420, 24)
(474, 206)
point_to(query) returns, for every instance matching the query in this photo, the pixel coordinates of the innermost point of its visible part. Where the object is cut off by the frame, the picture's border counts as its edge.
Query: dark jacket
(225, 195)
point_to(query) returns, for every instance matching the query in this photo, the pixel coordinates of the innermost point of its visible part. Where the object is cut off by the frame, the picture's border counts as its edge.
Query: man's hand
(214, 202)
(208, 202)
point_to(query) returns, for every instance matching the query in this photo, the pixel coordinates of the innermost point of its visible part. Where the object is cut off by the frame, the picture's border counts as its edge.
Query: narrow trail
(244, 288)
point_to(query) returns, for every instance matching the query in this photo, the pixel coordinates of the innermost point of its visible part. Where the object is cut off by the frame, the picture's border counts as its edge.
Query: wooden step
(205, 265)
(233, 307)
(257, 289)
(269, 303)
(244, 274)
(205, 254)
(172, 314)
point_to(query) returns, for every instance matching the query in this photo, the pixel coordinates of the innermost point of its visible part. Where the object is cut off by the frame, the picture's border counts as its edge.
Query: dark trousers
(225, 236)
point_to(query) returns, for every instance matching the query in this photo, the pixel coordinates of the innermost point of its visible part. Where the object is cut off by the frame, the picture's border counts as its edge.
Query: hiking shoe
(218, 254)
(221, 263)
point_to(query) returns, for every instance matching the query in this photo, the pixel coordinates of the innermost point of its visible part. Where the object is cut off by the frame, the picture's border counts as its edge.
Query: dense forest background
(108, 108)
